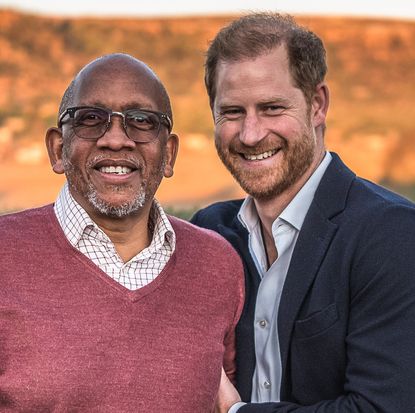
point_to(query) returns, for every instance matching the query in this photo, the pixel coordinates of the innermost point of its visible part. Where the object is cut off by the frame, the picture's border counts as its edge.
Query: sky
(401, 9)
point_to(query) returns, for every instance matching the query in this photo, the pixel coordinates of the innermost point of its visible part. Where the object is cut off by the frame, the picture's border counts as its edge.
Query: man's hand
(227, 395)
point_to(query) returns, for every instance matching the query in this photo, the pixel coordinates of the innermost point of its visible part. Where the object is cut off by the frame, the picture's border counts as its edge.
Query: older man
(329, 318)
(106, 303)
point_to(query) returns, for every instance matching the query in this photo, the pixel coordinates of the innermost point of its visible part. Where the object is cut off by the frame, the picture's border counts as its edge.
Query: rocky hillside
(371, 78)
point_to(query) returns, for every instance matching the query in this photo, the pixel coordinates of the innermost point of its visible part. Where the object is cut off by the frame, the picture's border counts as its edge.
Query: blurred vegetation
(371, 63)
(371, 78)
(183, 213)
(40, 56)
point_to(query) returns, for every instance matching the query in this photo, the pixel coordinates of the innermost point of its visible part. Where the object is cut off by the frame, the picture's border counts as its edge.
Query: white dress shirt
(266, 381)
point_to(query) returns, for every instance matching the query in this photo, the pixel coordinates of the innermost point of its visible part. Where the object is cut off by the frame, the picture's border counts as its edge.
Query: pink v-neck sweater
(74, 340)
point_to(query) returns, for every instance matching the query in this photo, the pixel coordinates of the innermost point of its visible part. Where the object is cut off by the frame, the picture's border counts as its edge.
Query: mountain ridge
(371, 78)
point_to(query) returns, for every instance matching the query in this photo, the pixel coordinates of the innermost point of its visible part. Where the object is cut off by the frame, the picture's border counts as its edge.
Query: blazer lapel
(309, 251)
(314, 239)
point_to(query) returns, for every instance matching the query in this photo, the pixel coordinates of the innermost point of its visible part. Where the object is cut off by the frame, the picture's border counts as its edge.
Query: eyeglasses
(91, 123)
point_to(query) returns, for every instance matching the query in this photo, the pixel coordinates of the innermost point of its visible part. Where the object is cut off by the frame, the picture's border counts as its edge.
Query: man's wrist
(235, 407)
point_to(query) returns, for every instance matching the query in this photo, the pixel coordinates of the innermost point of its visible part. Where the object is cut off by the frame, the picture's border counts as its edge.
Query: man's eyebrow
(274, 99)
(229, 105)
(266, 101)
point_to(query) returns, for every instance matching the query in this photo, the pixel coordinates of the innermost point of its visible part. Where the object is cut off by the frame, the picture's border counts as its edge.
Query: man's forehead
(278, 53)
(117, 64)
(123, 84)
(121, 72)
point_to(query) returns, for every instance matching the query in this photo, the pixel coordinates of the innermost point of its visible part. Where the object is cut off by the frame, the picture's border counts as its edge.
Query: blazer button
(263, 323)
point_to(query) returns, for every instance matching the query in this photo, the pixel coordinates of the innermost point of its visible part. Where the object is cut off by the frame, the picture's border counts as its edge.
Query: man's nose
(252, 130)
(116, 138)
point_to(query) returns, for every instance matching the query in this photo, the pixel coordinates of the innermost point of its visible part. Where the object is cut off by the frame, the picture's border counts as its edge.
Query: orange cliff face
(370, 121)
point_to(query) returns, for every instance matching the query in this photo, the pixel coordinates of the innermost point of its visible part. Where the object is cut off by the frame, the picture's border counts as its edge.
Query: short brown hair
(255, 34)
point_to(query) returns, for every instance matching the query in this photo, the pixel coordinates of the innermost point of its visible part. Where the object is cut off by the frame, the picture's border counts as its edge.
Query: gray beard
(118, 211)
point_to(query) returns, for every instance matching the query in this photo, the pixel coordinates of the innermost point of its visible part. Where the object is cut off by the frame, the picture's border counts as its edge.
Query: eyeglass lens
(92, 123)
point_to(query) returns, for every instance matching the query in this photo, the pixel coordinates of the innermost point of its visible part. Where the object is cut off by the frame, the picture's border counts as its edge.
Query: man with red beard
(329, 317)
(106, 303)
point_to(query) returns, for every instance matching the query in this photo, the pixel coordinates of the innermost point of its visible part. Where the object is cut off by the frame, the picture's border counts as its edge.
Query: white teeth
(119, 170)
(260, 156)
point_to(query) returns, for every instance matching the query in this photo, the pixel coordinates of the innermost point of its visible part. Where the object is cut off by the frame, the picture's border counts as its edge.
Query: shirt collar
(74, 220)
(163, 230)
(71, 216)
(296, 211)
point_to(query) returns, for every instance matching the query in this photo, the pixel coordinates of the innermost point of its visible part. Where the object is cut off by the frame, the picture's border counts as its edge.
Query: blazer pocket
(317, 322)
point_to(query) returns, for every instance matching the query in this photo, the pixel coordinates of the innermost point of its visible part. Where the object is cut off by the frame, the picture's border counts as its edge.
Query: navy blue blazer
(346, 320)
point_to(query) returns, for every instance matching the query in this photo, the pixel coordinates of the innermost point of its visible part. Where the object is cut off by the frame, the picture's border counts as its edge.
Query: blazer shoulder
(373, 213)
(190, 237)
(197, 234)
(373, 201)
(219, 213)
(343, 194)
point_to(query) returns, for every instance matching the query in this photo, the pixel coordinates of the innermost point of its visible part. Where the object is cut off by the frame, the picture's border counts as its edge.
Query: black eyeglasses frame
(163, 118)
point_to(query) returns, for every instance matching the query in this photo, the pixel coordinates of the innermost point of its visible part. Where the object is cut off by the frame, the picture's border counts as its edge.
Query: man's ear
(320, 105)
(54, 145)
(172, 146)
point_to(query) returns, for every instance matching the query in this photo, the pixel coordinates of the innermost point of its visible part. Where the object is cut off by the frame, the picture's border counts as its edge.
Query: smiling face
(265, 132)
(114, 176)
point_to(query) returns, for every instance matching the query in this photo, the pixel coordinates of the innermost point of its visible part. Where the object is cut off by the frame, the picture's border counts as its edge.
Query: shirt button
(263, 323)
(267, 384)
